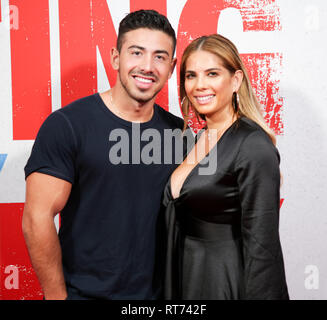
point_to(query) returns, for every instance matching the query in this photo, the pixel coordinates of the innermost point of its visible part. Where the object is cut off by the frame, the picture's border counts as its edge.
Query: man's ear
(114, 58)
(172, 67)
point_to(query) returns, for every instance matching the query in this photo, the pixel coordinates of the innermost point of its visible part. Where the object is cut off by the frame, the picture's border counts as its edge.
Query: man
(106, 243)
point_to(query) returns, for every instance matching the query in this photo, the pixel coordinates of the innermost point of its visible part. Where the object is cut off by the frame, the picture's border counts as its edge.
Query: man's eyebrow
(162, 51)
(143, 49)
(136, 47)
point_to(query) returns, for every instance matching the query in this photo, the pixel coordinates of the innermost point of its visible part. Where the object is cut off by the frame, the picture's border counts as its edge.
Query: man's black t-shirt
(118, 171)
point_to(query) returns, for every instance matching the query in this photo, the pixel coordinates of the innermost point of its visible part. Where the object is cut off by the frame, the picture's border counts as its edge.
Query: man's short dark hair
(149, 19)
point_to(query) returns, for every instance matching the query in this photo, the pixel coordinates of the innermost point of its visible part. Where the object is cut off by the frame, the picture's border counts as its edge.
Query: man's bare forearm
(45, 253)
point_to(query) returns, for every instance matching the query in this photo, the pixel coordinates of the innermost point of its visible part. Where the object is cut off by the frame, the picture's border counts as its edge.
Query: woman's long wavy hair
(223, 48)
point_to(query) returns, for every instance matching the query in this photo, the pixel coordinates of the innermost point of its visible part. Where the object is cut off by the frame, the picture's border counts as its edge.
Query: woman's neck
(221, 120)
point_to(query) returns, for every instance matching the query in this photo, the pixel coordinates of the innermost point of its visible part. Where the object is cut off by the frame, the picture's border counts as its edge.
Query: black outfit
(222, 231)
(107, 232)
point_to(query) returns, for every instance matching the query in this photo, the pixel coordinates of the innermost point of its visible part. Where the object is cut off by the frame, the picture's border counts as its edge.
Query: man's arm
(45, 197)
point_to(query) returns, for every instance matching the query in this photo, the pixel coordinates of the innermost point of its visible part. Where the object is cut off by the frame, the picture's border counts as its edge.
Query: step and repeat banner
(53, 52)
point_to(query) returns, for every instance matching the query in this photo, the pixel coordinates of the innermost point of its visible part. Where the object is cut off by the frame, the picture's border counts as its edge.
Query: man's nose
(147, 64)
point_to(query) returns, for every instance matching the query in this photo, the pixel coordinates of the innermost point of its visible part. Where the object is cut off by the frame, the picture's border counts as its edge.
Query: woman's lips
(204, 99)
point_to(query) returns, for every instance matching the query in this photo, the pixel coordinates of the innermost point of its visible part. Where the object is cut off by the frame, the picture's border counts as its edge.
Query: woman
(222, 203)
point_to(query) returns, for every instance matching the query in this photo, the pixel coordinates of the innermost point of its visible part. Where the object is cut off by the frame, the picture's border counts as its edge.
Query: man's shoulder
(82, 104)
(79, 112)
(171, 120)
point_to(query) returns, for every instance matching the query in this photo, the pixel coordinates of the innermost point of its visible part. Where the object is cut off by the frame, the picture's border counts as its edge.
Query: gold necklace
(114, 105)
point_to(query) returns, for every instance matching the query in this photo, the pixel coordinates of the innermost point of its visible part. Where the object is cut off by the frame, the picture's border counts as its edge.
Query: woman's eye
(212, 74)
(189, 76)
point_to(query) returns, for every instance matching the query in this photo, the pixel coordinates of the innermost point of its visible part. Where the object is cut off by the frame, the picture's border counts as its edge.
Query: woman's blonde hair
(220, 46)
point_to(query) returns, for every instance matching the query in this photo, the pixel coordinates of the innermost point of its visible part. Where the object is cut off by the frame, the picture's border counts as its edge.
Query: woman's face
(208, 84)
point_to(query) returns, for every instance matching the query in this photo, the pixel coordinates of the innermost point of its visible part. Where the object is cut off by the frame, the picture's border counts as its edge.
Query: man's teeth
(143, 80)
(205, 98)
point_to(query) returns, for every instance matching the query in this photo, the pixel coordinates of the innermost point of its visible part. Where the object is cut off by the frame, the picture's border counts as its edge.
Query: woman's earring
(236, 101)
